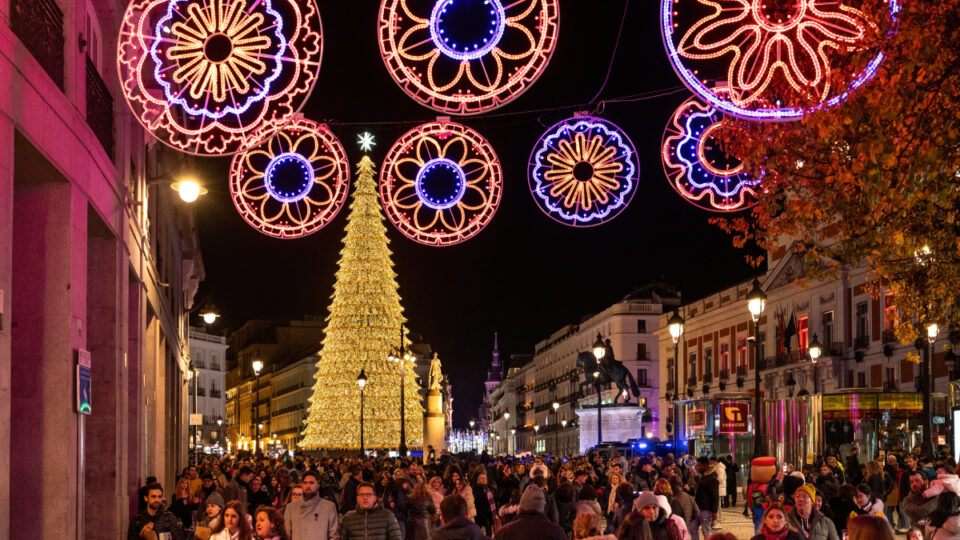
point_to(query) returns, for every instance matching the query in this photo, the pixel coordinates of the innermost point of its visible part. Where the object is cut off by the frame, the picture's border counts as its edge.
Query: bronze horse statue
(610, 370)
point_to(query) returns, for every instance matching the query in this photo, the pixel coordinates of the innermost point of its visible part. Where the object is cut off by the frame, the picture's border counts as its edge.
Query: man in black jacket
(456, 526)
(348, 500)
(369, 521)
(530, 522)
(707, 497)
(154, 520)
(732, 470)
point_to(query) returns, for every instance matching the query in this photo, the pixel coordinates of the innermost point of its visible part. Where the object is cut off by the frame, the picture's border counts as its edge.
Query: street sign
(84, 380)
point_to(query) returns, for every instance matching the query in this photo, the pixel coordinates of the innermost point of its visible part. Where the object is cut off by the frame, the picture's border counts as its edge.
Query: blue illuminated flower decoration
(467, 56)
(205, 76)
(440, 183)
(583, 171)
(696, 165)
(772, 56)
(293, 182)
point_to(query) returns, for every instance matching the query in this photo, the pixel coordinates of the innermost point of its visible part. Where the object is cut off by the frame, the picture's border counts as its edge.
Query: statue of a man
(435, 375)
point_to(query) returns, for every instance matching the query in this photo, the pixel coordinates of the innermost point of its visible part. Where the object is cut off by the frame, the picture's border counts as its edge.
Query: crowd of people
(592, 497)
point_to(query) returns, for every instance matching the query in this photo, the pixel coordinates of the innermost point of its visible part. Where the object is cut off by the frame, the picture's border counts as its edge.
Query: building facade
(552, 375)
(863, 390)
(251, 408)
(207, 391)
(98, 261)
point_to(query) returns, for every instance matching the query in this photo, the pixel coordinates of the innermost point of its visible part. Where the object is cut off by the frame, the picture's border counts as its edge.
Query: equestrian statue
(609, 370)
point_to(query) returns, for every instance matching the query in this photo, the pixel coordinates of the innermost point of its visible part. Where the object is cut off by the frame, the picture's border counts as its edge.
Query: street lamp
(563, 424)
(189, 189)
(756, 303)
(815, 349)
(675, 325)
(257, 368)
(599, 350)
(472, 423)
(927, 447)
(219, 430)
(402, 358)
(506, 424)
(361, 382)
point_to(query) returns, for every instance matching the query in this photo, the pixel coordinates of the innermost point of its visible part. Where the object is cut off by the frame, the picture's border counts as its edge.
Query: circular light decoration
(697, 167)
(293, 182)
(770, 54)
(440, 183)
(467, 56)
(583, 171)
(204, 76)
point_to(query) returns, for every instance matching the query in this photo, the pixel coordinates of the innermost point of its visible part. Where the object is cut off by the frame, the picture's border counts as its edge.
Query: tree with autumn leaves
(873, 181)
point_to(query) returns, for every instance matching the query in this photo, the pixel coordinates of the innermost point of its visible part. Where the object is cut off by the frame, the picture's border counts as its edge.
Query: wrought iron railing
(39, 25)
(99, 108)
(861, 342)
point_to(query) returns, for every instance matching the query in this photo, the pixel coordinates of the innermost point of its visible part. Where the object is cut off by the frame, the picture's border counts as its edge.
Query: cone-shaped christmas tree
(362, 329)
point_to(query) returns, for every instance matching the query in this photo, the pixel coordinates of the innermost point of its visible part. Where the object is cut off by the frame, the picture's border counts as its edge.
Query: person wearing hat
(530, 521)
(662, 527)
(806, 520)
(212, 515)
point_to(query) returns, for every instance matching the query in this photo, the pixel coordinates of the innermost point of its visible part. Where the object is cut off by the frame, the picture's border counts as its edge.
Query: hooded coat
(949, 530)
(821, 527)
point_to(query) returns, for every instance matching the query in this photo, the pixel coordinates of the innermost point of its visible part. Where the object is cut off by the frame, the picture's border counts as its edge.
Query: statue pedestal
(619, 424)
(434, 430)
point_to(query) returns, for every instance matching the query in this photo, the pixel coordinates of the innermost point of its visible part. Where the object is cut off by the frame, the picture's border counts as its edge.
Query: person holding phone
(155, 523)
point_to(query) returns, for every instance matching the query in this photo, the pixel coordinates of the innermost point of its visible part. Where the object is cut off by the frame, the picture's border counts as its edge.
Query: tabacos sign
(734, 416)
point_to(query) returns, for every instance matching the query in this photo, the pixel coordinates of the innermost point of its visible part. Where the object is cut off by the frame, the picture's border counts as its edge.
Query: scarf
(774, 535)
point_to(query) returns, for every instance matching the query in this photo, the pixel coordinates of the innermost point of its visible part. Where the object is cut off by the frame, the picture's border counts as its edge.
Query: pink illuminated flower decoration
(771, 54)
(440, 183)
(205, 76)
(583, 171)
(467, 56)
(695, 165)
(293, 182)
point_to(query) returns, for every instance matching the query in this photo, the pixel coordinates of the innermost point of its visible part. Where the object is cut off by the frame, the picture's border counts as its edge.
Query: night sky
(525, 275)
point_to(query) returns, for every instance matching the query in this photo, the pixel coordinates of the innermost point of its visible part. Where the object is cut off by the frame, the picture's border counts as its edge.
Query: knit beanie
(215, 498)
(790, 484)
(644, 500)
(532, 500)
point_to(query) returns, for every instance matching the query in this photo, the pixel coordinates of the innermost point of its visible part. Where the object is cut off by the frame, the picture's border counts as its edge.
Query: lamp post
(536, 436)
(815, 349)
(556, 432)
(506, 425)
(756, 303)
(402, 358)
(563, 424)
(675, 325)
(257, 367)
(219, 433)
(361, 382)
(598, 351)
(926, 447)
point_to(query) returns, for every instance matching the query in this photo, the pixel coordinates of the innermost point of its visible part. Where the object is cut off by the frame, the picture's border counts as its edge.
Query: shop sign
(696, 419)
(901, 405)
(734, 416)
(849, 406)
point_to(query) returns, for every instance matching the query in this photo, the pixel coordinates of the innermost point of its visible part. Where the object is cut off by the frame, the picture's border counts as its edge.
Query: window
(708, 362)
(861, 380)
(693, 366)
(92, 35)
(891, 375)
(642, 351)
(742, 353)
(889, 318)
(724, 357)
(642, 378)
(670, 372)
(803, 333)
(641, 326)
(826, 321)
(761, 339)
(541, 446)
(862, 320)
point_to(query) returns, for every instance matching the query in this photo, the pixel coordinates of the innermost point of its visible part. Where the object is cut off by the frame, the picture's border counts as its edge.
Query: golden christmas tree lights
(362, 330)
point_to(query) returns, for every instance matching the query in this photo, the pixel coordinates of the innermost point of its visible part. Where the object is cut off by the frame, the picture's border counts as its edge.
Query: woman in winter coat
(773, 526)
(485, 503)
(420, 512)
(462, 488)
(437, 493)
(944, 522)
(681, 503)
(867, 502)
(183, 505)
(587, 503)
(608, 497)
(566, 506)
(509, 511)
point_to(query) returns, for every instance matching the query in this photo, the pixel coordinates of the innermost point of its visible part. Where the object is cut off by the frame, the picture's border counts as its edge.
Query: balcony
(202, 392)
(670, 386)
(742, 371)
(39, 25)
(99, 108)
(861, 342)
(889, 336)
(215, 393)
(834, 348)
(724, 374)
(708, 377)
(692, 381)
(645, 357)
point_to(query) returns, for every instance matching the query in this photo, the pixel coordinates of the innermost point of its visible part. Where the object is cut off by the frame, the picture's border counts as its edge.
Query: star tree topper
(365, 140)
